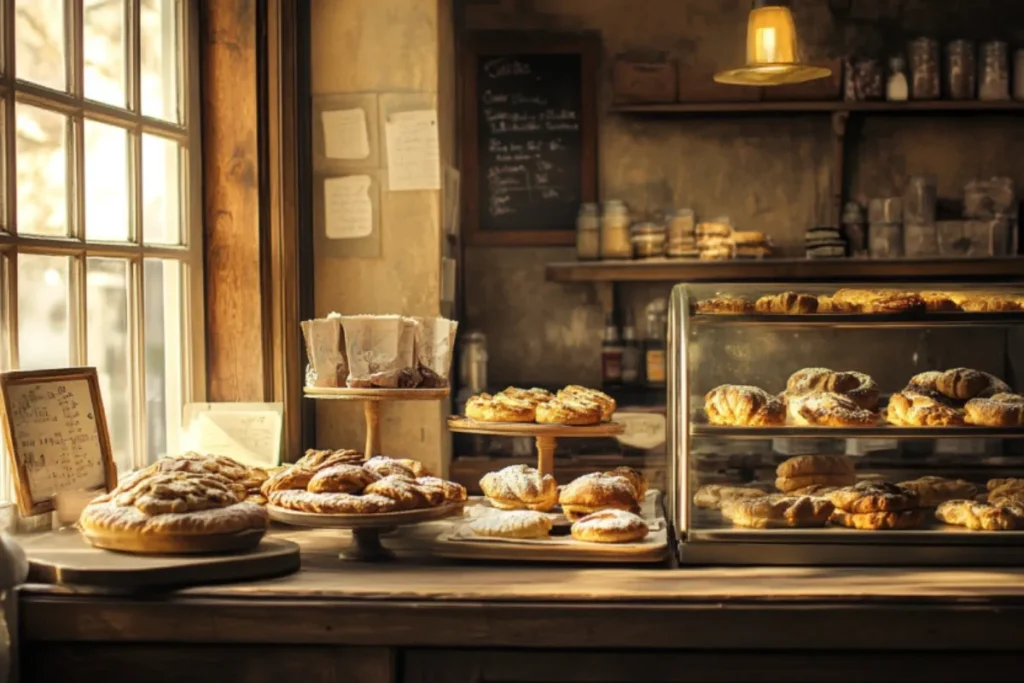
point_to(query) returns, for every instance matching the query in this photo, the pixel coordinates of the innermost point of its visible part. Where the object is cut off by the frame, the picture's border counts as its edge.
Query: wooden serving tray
(377, 520)
(469, 426)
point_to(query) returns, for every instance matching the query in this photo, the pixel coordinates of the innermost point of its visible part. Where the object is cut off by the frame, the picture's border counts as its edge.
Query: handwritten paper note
(248, 432)
(414, 153)
(56, 436)
(347, 207)
(345, 135)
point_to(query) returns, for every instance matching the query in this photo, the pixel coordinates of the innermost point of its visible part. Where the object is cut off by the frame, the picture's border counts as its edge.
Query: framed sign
(529, 136)
(56, 435)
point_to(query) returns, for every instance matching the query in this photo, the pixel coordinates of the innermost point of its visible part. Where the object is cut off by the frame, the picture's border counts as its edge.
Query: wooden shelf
(783, 270)
(948, 106)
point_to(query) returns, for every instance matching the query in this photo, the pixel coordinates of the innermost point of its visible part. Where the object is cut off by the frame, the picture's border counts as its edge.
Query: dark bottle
(611, 354)
(654, 348)
(631, 353)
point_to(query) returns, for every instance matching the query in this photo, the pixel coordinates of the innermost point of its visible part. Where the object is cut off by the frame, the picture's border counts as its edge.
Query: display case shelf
(879, 432)
(927, 321)
(827, 107)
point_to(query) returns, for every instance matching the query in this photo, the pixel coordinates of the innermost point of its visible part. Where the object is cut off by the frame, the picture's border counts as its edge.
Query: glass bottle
(630, 353)
(897, 89)
(654, 348)
(588, 233)
(611, 354)
(615, 236)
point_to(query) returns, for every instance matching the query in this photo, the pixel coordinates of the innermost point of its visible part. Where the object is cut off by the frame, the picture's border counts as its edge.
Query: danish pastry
(499, 408)
(859, 387)
(606, 402)
(513, 524)
(805, 482)
(533, 396)
(777, 511)
(520, 487)
(873, 496)
(801, 465)
(593, 492)
(876, 521)
(332, 503)
(406, 494)
(828, 410)
(913, 409)
(711, 496)
(932, 491)
(341, 479)
(452, 492)
(724, 305)
(788, 303)
(384, 466)
(743, 406)
(569, 410)
(981, 516)
(610, 526)
(635, 477)
(1001, 410)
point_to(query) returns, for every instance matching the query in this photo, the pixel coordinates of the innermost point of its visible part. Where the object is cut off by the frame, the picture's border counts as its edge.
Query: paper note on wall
(414, 153)
(248, 432)
(345, 135)
(348, 212)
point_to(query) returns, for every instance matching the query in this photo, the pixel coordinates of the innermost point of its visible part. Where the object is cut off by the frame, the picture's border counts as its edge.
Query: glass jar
(961, 70)
(648, 240)
(681, 225)
(924, 69)
(897, 90)
(615, 237)
(588, 233)
(994, 83)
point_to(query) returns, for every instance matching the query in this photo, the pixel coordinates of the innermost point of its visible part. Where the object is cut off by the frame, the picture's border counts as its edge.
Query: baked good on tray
(610, 526)
(885, 301)
(802, 472)
(634, 476)
(790, 303)
(773, 511)
(1009, 491)
(932, 491)
(857, 386)
(879, 521)
(724, 305)
(826, 409)
(173, 512)
(910, 408)
(876, 505)
(569, 410)
(500, 408)
(513, 524)
(743, 406)
(981, 516)
(940, 302)
(246, 481)
(712, 496)
(599, 491)
(1000, 410)
(958, 384)
(606, 402)
(535, 396)
(520, 487)
(573, 405)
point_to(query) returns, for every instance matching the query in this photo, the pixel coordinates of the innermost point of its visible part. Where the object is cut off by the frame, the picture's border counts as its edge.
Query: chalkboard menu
(530, 162)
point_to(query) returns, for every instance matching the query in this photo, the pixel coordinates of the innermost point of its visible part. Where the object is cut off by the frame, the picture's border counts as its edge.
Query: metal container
(924, 69)
(994, 81)
(961, 70)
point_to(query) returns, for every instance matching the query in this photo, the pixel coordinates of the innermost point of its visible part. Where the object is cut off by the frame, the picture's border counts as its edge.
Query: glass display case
(847, 424)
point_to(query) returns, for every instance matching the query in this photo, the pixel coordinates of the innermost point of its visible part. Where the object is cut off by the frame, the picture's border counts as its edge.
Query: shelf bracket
(840, 119)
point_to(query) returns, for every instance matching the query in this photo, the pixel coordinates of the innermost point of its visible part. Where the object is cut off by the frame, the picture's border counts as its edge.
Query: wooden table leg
(371, 409)
(546, 454)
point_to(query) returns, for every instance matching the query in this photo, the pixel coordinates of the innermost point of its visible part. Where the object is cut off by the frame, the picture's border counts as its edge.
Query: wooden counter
(416, 620)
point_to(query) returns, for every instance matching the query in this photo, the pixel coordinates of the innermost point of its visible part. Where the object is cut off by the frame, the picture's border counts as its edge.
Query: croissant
(743, 406)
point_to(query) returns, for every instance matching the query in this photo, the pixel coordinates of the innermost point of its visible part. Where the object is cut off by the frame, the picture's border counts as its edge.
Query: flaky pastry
(332, 503)
(606, 402)
(873, 496)
(341, 479)
(513, 524)
(569, 410)
(383, 466)
(405, 492)
(857, 386)
(875, 521)
(534, 396)
(1000, 410)
(743, 406)
(777, 511)
(826, 409)
(981, 516)
(592, 492)
(610, 526)
(500, 408)
(801, 465)
(787, 303)
(931, 491)
(711, 496)
(914, 409)
(520, 487)
(724, 305)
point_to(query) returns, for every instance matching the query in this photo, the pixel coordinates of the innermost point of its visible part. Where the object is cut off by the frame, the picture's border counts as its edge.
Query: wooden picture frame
(588, 46)
(26, 503)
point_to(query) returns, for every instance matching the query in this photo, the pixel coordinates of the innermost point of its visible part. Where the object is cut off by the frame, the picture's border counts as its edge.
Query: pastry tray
(361, 521)
(470, 426)
(951, 319)
(880, 432)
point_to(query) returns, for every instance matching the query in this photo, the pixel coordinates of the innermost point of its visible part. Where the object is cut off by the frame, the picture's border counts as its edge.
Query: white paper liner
(380, 351)
(435, 339)
(325, 348)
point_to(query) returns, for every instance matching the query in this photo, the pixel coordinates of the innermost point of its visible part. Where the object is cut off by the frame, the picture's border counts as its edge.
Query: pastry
(873, 496)
(724, 305)
(332, 503)
(569, 410)
(635, 477)
(716, 254)
(169, 512)
(513, 524)
(291, 478)
(981, 516)
(1005, 483)
(804, 482)
(777, 511)
(743, 406)
(406, 494)
(939, 302)
(246, 481)
(877, 301)
(384, 466)
(520, 487)
(827, 304)
(787, 302)
(931, 491)
(1001, 410)
(855, 385)
(815, 490)
(602, 399)
(815, 464)
(913, 409)
(598, 491)
(826, 409)
(533, 396)
(415, 466)
(452, 492)
(989, 304)
(1008, 491)
(314, 458)
(711, 496)
(610, 526)
(720, 228)
(875, 521)
(341, 479)
(958, 384)
(499, 408)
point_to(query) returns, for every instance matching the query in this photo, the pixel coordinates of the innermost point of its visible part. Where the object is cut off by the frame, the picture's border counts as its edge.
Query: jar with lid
(961, 70)
(994, 83)
(615, 237)
(897, 89)
(654, 346)
(648, 240)
(924, 69)
(588, 233)
(681, 226)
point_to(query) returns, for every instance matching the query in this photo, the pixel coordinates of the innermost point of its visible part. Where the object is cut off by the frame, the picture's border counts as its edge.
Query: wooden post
(372, 411)
(546, 454)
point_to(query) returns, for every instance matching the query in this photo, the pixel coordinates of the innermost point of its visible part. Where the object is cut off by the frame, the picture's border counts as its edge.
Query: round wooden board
(352, 394)
(67, 557)
(468, 426)
(380, 520)
(177, 544)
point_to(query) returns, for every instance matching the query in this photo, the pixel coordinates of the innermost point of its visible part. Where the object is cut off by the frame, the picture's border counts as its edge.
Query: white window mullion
(78, 332)
(137, 349)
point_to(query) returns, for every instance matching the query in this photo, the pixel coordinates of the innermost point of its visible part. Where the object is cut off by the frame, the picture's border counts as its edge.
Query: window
(100, 251)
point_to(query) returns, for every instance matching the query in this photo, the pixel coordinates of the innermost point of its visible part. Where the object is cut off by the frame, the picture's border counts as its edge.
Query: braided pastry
(828, 410)
(788, 302)
(912, 409)
(1001, 410)
(856, 385)
(777, 511)
(500, 408)
(610, 526)
(569, 410)
(606, 402)
(743, 406)
(341, 479)
(981, 516)
(519, 487)
(724, 305)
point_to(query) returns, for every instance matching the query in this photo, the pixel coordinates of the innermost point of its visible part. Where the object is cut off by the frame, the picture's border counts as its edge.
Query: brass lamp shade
(773, 53)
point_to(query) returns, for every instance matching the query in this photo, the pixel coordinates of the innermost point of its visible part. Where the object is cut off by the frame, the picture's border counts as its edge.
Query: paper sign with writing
(414, 151)
(56, 433)
(248, 432)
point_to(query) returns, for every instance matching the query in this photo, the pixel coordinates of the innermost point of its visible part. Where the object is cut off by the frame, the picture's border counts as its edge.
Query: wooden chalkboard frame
(588, 46)
(25, 505)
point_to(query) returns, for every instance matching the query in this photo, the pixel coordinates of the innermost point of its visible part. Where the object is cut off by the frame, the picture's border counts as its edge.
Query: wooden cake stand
(372, 398)
(546, 435)
(366, 529)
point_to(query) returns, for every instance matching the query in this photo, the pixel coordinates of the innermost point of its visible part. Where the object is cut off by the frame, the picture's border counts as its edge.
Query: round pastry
(712, 496)
(598, 491)
(520, 487)
(828, 410)
(724, 305)
(293, 477)
(383, 466)
(791, 485)
(315, 459)
(939, 302)
(406, 494)
(513, 524)
(452, 492)
(341, 479)
(569, 410)
(1001, 410)
(415, 466)
(610, 526)
(777, 511)
(875, 521)
(981, 516)
(913, 409)
(963, 384)
(602, 399)
(801, 465)
(743, 406)
(173, 512)
(533, 396)
(932, 491)
(245, 480)
(873, 496)
(499, 408)
(332, 503)
(791, 303)
(855, 385)
(635, 477)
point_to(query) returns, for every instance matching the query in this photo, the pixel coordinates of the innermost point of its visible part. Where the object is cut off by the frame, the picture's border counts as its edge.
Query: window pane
(163, 334)
(106, 182)
(44, 285)
(159, 31)
(42, 171)
(39, 41)
(103, 44)
(161, 190)
(109, 349)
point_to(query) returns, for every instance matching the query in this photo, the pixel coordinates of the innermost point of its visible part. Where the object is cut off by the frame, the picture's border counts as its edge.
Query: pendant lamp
(773, 52)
